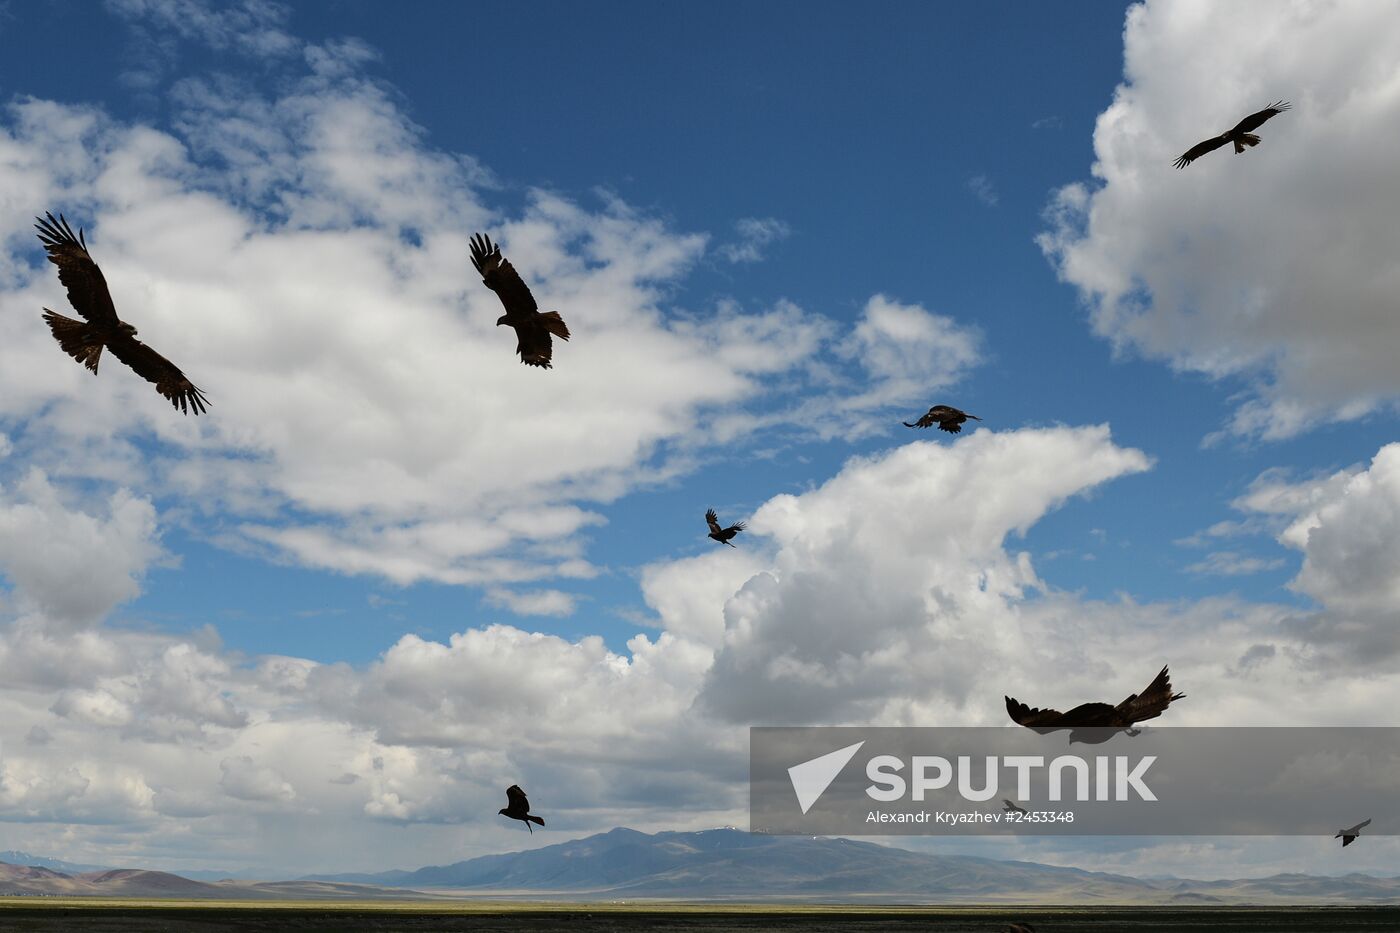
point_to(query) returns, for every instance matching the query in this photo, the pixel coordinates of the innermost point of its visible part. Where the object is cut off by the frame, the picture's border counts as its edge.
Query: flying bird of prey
(1011, 807)
(722, 535)
(518, 808)
(1099, 716)
(948, 419)
(87, 293)
(1349, 835)
(532, 329)
(1241, 135)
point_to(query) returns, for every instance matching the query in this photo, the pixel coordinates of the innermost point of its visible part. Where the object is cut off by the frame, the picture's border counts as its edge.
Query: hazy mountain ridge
(14, 857)
(726, 864)
(735, 865)
(38, 881)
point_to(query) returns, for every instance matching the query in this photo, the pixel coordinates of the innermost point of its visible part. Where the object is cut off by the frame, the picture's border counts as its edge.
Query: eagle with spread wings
(87, 293)
(945, 416)
(722, 535)
(1242, 135)
(533, 329)
(1102, 719)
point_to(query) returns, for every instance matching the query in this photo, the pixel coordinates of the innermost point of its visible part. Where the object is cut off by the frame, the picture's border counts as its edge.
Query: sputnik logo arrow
(811, 778)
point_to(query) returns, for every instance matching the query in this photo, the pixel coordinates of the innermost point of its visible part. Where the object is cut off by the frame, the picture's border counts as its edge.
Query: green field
(59, 914)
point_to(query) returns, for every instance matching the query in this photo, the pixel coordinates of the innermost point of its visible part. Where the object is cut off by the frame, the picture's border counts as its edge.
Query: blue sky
(749, 210)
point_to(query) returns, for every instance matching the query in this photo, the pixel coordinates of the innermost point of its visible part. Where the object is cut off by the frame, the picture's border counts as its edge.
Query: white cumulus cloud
(1278, 266)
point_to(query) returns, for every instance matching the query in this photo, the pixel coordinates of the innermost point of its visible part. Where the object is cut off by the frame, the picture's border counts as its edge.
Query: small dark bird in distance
(1348, 836)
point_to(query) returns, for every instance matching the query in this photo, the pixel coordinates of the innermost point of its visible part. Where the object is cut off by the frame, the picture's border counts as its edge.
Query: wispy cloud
(982, 188)
(1234, 564)
(532, 602)
(755, 233)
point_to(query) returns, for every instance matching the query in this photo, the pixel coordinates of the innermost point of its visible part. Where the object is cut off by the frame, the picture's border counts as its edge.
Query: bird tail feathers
(76, 338)
(536, 819)
(555, 324)
(1246, 139)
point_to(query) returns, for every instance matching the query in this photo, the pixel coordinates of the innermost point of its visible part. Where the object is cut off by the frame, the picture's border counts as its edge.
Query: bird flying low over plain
(1242, 135)
(1011, 807)
(533, 329)
(722, 535)
(947, 418)
(87, 293)
(518, 808)
(1149, 704)
(1348, 836)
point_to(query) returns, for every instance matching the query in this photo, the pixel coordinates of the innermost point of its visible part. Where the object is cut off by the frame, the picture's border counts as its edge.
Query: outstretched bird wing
(926, 421)
(1024, 715)
(1256, 120)
(516, 799)
(154, 368)
(500, 276)
(712, 520)
(87, 289)
(1200, 149)
(1152, 702)
(1085, 715)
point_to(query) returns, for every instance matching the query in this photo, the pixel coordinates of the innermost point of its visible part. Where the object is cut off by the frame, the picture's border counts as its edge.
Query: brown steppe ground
(55, 914)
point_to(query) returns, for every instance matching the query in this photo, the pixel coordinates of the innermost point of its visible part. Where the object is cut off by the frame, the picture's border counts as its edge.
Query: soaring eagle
(1241, 135)
(722, 535)
(948, 419)
(87, 293)
(532, 329)
(518, 808)
(1099, 716)
(1349, 835)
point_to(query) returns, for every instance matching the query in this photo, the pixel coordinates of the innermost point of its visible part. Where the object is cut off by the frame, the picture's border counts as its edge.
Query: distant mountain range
(724, 864)
(12, 857)
(730, 864)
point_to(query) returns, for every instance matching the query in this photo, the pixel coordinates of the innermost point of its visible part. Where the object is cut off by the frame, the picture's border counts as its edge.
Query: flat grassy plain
(157, 916)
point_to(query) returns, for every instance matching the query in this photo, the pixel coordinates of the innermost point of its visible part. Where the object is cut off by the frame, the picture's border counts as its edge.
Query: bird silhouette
(1100, 719)
(722, 535)
(947, 418)
(1011, 807)
(518, 808)
(1349, 835)
(532, 329)
(87, 293)
(1241, 135)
